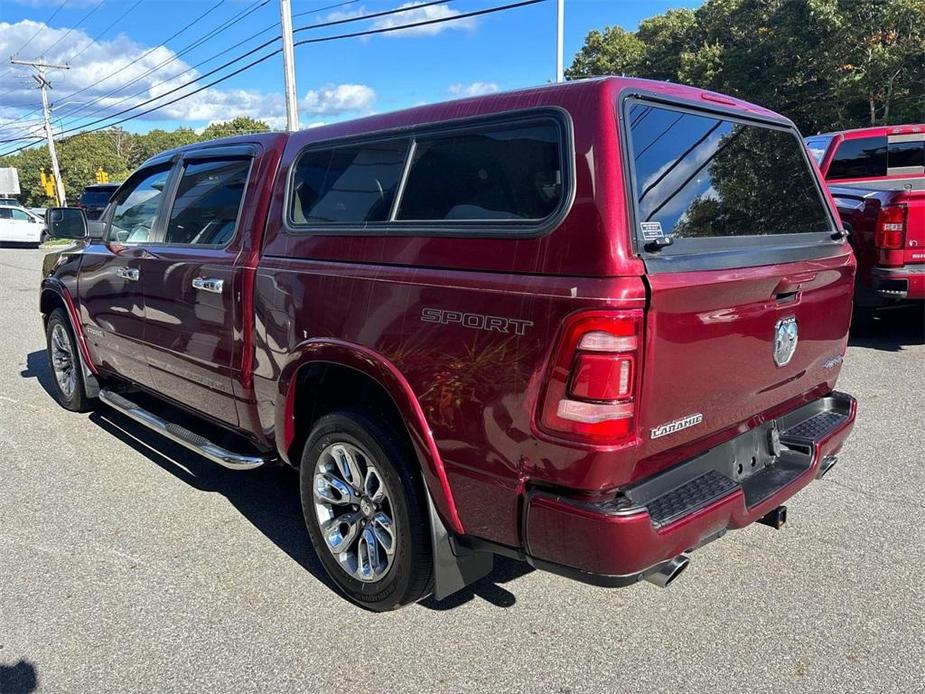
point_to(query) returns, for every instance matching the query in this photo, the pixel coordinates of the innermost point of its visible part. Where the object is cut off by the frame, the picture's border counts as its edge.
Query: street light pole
(45, 85)
(292, 104)
(560, 30)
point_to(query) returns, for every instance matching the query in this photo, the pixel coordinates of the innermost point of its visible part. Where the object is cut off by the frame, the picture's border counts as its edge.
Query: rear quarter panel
(477, 387)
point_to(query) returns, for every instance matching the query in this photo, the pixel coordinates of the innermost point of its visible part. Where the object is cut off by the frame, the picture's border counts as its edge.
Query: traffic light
(48, 182)
(101, 176)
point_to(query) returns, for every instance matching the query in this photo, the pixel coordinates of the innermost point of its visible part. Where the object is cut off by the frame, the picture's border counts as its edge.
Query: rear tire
(67, 383)
(366, 512)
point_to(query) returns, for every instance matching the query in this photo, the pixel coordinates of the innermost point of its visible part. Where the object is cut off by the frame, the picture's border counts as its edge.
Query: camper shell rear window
(705, 181)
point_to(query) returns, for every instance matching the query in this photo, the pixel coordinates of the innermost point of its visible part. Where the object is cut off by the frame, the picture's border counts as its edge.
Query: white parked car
(18, 225)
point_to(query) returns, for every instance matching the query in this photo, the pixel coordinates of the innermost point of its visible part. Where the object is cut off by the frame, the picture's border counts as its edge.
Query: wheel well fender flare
(390, 379)
(54, 291)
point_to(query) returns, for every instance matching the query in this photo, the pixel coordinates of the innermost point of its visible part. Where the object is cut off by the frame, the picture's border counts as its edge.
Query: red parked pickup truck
(877, 178)
(591, 326)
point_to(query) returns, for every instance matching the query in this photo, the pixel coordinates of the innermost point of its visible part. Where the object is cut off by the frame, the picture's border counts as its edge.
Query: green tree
(157, 141)
(242, 125)
(827, 64)
(613, 52)
(666, 38)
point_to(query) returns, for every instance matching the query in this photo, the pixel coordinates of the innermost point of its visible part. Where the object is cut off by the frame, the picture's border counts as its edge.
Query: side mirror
(66, 223)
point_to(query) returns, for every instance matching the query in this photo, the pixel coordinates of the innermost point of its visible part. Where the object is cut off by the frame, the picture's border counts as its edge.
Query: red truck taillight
(890, 234)
(591, 385)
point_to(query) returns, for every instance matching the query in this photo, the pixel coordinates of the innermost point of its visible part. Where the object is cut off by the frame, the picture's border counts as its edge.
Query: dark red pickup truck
(591, 326)
(877, 179)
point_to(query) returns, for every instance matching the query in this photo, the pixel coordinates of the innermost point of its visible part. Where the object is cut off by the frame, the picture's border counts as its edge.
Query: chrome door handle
(209, 284)
(129, 273)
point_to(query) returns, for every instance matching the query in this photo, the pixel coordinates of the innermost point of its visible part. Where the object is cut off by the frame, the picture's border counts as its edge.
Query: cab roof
(877, 131)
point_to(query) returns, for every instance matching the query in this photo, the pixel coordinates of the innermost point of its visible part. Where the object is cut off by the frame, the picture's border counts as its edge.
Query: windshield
(96, 198)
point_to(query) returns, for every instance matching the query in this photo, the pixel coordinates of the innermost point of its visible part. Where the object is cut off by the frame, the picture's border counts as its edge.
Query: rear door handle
(209, 284)
(129, 273)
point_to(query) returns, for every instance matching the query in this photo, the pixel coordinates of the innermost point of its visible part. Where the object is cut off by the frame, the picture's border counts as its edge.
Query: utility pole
(45, 85)
(560, 31)
(285, 25)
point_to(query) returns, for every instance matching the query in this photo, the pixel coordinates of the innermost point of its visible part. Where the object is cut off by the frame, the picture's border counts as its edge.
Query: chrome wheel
(63, 361)
(354, 511)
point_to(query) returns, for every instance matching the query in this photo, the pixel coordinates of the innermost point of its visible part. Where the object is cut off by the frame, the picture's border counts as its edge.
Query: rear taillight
(591, 385)
(890, 233)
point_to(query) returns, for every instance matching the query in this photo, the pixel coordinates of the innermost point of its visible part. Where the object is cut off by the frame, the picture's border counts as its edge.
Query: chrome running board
(178, 434)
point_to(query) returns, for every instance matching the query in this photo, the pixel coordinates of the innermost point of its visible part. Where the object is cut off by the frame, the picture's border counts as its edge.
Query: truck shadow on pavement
(893, 330)
(268, 498)
(20, 678)
(37, 368)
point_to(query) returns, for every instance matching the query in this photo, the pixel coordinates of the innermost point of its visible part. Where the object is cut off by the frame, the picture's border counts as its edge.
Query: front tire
(64, 363)
(365, 510)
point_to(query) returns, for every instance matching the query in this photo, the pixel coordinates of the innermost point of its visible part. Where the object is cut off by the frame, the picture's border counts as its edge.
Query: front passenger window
(136, 209)
(205, 210)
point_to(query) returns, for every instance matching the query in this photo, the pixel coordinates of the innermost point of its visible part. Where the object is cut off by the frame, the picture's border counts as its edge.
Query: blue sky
(335, 80)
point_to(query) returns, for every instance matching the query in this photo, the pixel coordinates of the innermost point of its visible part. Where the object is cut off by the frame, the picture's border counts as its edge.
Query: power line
(359, 18)
(72, 113)
(326, 7)
(373, 15)
(381, 30)
(216, 55)
(103, 32)
(439, 20)
(186, 84)
(186, 49)
(68, 32)
(44, 26)
(25, 146)
(72, 119)
(133, 62)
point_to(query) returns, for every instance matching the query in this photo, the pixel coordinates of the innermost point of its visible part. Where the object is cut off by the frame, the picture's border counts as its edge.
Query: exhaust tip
(826, 465)
(665, 573)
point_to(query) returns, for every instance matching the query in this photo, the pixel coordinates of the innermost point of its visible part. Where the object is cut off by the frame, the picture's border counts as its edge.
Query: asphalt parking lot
(129, 564)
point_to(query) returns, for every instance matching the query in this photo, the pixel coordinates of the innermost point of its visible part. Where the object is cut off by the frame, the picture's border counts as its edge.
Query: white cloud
(332, 100)
(420, 14)
(473, 89)
(116, 64)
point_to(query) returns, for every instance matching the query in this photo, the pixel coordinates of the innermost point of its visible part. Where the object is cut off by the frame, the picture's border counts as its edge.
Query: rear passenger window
(205, 210)
(350, 183)
(907, 154)
(699, 176)
(863, 157)
(492, 174)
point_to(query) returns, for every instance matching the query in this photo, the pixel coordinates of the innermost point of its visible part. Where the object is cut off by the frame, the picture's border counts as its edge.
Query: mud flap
(455, 567)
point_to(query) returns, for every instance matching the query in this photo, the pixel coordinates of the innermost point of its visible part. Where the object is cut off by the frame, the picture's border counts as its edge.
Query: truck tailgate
(711, 338)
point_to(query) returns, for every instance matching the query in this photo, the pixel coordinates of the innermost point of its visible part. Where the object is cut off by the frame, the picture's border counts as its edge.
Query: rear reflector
(593, 412)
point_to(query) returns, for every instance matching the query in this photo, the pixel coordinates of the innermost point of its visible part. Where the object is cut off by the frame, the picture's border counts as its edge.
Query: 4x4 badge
(785, 340)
